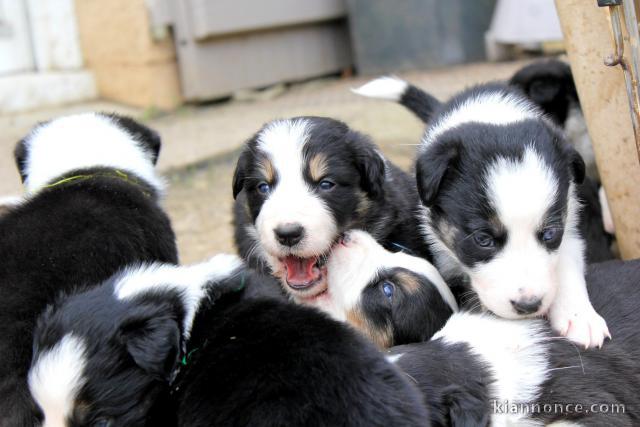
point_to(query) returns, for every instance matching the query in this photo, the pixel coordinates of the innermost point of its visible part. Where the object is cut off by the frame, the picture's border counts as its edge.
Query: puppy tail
(391, 88)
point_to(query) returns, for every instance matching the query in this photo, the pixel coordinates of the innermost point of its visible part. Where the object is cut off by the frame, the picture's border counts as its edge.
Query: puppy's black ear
(151, 336)
(240, 173)
(432, 167)
(576, 164)
(369, 162)
(20, 156)
(149, 138)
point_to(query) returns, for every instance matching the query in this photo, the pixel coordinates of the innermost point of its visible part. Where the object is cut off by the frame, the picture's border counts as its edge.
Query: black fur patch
(550, 85)
(454, 382)
(265, 363)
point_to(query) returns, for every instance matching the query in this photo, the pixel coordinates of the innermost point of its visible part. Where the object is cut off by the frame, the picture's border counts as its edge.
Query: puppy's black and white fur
(299, 183)
(549, 83)
(392, 298)
(497, 181)
(92, 207)
(106, 356)
(518, 373)
(477, 365)
(109, 355)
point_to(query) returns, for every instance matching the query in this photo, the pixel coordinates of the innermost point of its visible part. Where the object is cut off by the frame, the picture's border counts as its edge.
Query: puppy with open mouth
(300, 183)
(498, 184)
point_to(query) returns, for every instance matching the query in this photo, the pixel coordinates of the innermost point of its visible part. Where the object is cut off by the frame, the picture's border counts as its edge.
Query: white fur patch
(389, 87)
(393, 358)
(189, 281)
(522, 193)
(55, 378)
(514, 350)
(351, 268)
(84, 141)
(292, 200)
(495, 107)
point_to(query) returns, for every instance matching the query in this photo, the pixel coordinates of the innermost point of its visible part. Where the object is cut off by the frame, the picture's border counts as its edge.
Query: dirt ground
(201, 143)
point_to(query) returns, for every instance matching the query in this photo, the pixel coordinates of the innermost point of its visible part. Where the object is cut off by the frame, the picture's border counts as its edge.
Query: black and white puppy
(109, 355)
(497, 181)
(396, 298)
(92, 208)
(390, 297)
(524, 375)
(299, 183)
(106, 356)
(480, 369)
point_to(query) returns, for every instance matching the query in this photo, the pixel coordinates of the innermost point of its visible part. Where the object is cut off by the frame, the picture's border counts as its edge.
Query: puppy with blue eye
(391, 297)
(470, 365)
(299, 183)
(497, 183)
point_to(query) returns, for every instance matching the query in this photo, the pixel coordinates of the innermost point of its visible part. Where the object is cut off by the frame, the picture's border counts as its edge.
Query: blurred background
(207, 74)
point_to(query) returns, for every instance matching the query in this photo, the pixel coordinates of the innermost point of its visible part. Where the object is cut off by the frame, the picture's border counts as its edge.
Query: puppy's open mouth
(302, 274)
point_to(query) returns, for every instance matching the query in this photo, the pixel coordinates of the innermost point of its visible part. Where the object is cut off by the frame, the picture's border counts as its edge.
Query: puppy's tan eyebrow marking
(266, 169)
(318, 166)
(408, 281)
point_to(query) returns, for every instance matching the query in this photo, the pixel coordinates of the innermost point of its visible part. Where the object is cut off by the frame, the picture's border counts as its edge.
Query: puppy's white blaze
(388, 87)
(521, 191)
(514, 350)
(84, 141)
(292, 201)
(495, 108)
(55, 378)
(189, 281)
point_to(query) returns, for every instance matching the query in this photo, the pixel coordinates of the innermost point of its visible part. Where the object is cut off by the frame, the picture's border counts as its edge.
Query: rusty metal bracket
(630, 70)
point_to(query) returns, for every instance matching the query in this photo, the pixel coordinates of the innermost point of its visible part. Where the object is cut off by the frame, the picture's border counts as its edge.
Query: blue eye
(388, 288)
(549, 234)
(326, 185)
(484, 240)
(102, 422)
(264, 188)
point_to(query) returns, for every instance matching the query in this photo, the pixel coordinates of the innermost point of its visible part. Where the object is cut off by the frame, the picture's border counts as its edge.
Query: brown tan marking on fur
(318, 167)
(408, 281)
(265, 168)
(383, 338)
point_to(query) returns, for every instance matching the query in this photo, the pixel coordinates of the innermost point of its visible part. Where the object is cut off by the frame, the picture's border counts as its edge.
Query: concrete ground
(201, 143)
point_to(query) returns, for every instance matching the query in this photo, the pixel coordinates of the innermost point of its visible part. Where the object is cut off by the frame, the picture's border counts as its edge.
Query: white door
(16, 53)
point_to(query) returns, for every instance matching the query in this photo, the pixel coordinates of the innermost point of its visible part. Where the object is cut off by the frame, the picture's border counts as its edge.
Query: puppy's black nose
(289, 234)
(526, 306)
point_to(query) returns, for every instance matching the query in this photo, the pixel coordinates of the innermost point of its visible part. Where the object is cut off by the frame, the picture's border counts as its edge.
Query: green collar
(115, 173)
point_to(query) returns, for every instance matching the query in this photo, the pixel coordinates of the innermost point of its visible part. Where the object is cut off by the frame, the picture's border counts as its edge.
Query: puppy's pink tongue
(301, 272)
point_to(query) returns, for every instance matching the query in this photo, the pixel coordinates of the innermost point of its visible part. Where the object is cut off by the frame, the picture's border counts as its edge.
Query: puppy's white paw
(583, 326)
